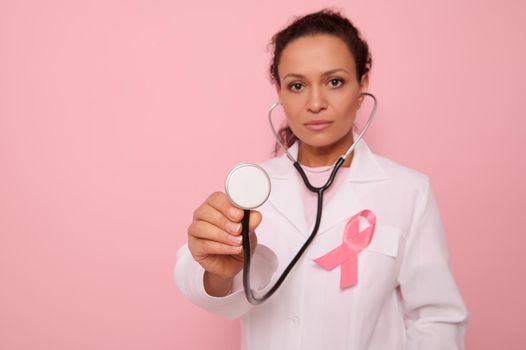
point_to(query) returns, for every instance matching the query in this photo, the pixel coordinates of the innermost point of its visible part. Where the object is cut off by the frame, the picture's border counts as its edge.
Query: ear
(364, 85)
(278, 91)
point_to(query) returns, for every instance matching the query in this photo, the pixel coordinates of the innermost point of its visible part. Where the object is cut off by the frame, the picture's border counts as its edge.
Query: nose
(317, 101)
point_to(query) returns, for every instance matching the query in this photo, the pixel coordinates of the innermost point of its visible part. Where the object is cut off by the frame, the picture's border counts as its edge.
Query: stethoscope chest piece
(247, 186)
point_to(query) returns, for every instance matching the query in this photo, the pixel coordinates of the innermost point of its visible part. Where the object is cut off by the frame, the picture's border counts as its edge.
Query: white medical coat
(406, 297)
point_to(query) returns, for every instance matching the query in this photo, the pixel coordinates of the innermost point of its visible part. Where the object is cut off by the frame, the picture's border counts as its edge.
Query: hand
(214, 237)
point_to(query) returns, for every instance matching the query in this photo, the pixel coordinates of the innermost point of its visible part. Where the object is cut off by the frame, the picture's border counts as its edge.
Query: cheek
(292, 111)
(346, 107)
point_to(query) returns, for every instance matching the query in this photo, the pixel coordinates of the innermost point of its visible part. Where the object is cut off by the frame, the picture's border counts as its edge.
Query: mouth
(318, 125)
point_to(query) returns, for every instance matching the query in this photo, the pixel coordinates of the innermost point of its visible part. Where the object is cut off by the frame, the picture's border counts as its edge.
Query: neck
(313, 156)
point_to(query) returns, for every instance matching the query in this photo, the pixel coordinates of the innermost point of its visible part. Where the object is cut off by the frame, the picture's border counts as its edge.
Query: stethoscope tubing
(247, 254)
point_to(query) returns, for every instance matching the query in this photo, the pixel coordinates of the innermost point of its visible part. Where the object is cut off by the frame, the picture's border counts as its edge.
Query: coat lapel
(286, 194)
(347, 200)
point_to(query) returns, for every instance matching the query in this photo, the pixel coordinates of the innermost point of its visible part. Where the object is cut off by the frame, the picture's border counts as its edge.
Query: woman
(405, 296)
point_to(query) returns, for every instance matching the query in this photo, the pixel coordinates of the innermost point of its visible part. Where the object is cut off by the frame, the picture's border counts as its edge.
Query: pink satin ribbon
(346, 254)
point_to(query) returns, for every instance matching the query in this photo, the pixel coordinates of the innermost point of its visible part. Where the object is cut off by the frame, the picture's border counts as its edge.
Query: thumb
(255, 220)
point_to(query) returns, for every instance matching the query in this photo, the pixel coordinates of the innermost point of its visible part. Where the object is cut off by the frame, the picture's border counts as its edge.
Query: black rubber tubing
(249, 293)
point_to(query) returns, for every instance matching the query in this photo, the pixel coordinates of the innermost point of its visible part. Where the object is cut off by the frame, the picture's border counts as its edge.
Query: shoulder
(405, 192)
(271, 163)
(276, 166)
(402, 176)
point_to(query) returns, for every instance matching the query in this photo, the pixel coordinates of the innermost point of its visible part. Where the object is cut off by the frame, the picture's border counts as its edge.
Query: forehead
(315, 54)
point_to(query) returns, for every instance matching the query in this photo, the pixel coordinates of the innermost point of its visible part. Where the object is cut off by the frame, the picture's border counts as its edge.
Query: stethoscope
(248, 187)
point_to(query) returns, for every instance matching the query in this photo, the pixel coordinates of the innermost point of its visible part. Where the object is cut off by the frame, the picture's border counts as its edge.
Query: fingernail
(233, 227)
(235, 239)
(236, 249)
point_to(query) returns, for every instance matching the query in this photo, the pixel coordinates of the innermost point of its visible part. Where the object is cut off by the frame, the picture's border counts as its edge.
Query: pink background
(117, 118)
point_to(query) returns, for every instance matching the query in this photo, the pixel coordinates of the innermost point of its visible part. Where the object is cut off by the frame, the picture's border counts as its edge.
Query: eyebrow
(332, 71)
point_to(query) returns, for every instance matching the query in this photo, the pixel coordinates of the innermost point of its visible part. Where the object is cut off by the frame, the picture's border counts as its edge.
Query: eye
(295, 86)
(335, 82)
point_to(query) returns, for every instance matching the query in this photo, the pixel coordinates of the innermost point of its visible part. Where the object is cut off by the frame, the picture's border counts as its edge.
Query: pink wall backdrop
(117, 118)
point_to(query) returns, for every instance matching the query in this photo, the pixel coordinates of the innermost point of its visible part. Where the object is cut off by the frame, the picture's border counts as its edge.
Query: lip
(318, 125)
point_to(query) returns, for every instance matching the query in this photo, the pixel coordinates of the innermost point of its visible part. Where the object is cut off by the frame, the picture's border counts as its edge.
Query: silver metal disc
(247, 186)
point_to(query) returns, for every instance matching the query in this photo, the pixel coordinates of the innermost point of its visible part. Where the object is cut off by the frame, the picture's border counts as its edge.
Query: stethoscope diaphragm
(247, 186)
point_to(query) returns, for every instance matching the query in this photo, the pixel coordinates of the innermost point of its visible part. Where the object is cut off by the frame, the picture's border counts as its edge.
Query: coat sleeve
(189, 274)
(435, 313)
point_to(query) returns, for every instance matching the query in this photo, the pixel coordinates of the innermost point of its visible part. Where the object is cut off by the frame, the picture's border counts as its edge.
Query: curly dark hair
(326, 21)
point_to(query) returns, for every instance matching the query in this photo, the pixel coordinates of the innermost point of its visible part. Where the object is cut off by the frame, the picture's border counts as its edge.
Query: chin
(323, 140)
(319, 142)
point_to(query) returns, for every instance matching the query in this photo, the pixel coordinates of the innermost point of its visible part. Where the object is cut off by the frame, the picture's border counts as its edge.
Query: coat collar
(286, 194)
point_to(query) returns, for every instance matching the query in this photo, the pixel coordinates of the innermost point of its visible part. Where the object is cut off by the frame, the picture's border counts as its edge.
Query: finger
(213, 216)
(204, 247)
(220, 201)
(205, 230)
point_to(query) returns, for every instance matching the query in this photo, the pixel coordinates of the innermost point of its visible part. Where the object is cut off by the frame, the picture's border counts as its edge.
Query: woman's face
(319, 90)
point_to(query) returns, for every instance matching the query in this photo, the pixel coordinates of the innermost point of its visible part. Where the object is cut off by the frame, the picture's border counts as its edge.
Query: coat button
(293, 320)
